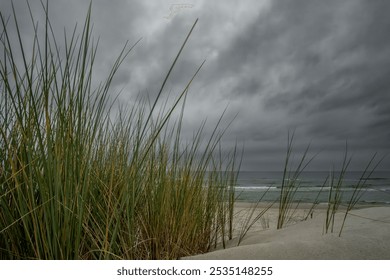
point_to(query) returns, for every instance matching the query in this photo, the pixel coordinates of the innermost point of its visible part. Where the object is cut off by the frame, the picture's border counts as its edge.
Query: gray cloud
(318, 67)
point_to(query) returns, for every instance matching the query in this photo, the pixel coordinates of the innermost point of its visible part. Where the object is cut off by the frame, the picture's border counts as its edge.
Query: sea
(252, 186)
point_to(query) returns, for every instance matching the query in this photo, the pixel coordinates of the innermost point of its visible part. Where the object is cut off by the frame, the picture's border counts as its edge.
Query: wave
(255, 188)
(310, 188)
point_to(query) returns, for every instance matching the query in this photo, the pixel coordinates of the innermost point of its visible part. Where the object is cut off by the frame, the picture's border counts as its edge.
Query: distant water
(252, 185)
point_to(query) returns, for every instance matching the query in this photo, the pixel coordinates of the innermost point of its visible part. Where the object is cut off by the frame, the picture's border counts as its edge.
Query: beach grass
(335, 193)
(76, 183)
(336, 184)
(361, 187)
(250, 218)
(290, 183)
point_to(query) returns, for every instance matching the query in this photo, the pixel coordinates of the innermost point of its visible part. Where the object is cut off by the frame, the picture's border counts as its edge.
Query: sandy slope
(366, 235)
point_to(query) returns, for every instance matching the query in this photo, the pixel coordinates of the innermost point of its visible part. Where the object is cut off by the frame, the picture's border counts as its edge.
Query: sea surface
(312, 186)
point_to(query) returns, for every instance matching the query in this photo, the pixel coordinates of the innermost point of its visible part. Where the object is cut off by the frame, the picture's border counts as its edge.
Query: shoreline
(306, 205)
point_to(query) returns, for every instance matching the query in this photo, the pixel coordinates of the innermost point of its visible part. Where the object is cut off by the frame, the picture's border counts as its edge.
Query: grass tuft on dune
(75, 184)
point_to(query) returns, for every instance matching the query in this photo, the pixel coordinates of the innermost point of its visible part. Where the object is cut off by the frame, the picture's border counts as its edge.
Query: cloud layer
(318, 67)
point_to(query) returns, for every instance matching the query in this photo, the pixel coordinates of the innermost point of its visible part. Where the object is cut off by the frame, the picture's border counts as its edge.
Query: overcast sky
(321, 68)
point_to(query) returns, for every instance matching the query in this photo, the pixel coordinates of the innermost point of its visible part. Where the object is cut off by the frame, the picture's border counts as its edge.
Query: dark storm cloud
(324, 65)
(112, 25)
(318, 67)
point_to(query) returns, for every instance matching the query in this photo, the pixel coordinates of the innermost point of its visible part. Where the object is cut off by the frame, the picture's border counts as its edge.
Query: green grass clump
(335, 198)
(290, 184)
(75, 184)
(335, 193)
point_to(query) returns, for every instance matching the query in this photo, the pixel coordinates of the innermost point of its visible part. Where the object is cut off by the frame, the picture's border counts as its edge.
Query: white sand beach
(366, 235)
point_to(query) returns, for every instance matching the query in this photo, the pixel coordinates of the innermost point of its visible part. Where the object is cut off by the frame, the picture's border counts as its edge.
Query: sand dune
(366, 235)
